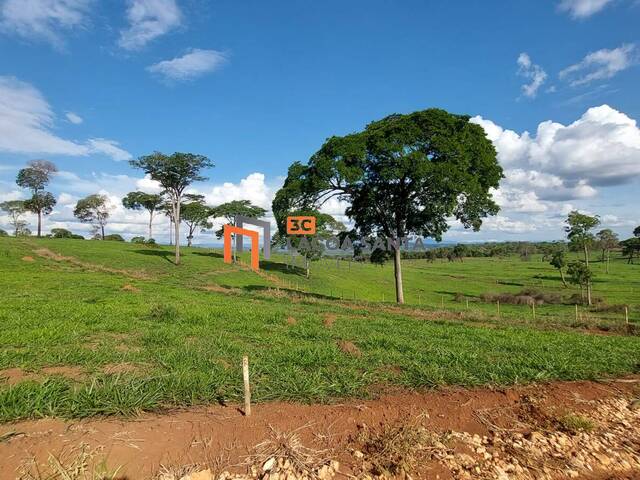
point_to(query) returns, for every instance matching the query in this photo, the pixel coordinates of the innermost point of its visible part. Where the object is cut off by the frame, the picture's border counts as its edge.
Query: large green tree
(15, 209)
(559, 261)
(175, 173)
(36, 176)
(578, 228)
(148, 201)
(607, 241)
(580, 274)
(229, 210)
(195, 215)
(93, 209)
(403, 175)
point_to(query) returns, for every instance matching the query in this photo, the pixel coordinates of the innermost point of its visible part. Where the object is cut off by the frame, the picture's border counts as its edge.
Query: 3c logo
(301, 225)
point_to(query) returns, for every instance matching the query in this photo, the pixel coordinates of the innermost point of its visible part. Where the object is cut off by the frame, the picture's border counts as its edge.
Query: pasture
(100, 328)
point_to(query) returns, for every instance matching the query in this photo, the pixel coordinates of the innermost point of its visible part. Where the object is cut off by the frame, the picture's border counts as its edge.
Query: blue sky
(258, 85)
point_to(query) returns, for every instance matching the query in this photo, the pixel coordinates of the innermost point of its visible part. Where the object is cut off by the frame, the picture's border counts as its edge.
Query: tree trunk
(397, 268)
(589, 293)
(170, 232)
(176, 221)
(586, 255)
(39, 223)
(306, 264)
(102, 230)
(150, 226)
(608, 259)
(564, 282)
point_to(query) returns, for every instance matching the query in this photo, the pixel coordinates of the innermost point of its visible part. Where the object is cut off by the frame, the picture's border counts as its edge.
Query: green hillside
(94, 327)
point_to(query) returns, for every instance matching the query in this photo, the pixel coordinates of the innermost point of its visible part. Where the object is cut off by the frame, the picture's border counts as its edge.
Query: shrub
(151, 241)
(137, 240)
(114, 237)
(3, 233)
(61, 233)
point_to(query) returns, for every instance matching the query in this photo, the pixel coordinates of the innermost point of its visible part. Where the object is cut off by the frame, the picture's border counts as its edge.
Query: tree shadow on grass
(208, 254)
(270, 266)
(167, 255)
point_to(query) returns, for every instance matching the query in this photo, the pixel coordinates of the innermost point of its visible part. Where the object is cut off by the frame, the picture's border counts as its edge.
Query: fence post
(467, 302)
(533, 305)
(626, 315)
(498, 303)
(247, 387)
(576, 312)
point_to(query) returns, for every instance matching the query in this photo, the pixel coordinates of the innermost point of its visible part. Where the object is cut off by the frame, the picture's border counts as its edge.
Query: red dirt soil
(140, 445)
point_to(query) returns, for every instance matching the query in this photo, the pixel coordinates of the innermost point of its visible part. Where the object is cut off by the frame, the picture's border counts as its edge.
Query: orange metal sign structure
(301, 225)
(255, 251)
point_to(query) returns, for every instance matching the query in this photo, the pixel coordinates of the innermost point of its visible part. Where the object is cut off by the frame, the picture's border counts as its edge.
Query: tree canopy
(140, 200)
(36, 176)
(403, 175)
(93, 209)
(174, 173)
(16, 209)
(236, 207)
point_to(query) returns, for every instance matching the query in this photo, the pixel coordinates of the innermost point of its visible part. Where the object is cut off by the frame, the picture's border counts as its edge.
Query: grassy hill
(107, 328)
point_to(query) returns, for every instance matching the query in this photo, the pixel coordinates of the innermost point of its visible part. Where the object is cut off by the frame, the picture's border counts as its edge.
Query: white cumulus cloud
(27, 121)
(193, 64)
(583, 8)
(148, 20)
(74, 118)
(534, 73)
(43, 19)
(600, 65)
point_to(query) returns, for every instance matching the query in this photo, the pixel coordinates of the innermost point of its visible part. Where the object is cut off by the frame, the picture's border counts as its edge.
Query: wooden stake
(576, 312)
(383, 296)
(498, 303)
(247, 387)
(626, 315)
(467, 302)
(442, 302)
(533, 306)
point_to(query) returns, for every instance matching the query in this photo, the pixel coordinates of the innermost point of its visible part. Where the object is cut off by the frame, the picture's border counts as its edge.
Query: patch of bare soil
(130, 288)
(75, 373)
(549, 431)
(12, 376)
(125, 367)
(28, 258)
(349, 348)
(291, 321)
(51, 255)
(329, 320)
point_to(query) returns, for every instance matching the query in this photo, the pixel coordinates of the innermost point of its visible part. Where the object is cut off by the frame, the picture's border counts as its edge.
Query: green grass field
(130, 331)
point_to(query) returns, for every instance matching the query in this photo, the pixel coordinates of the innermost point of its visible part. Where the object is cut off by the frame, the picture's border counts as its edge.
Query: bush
(137, 240)
(3, 233)
(151, 241)
(527, 296)
(61, 233)
(114, 237)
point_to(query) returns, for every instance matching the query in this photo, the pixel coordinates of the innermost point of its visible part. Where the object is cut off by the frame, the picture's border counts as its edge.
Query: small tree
(175, 173)
(148, 201)
(195, 215)
(93, 209)
(578, 230)
(607, 240)
(559, 261)
(229, 210)
(630, 248)
(16, 210)
(580, 274)
(36, 176)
